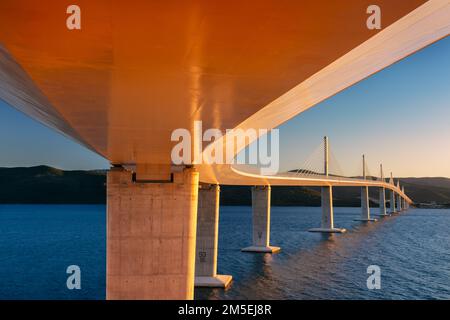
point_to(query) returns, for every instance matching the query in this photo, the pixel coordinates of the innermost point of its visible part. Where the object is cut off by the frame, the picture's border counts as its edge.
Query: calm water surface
(38, 242)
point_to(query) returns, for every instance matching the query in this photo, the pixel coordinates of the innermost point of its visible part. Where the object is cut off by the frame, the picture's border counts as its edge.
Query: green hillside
(43, 184)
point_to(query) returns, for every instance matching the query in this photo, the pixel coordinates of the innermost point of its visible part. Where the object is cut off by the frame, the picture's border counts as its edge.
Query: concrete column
(383, 202)
(151, 229)
(382, 199)
(261, 221)
(404, 202)
(208, 238)
(399, 203)
(392, 208)
(392, 203)
(327, 221)
(327, 224)
(365, 208)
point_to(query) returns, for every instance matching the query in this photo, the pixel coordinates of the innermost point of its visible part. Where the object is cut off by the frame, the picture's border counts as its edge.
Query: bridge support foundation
(261, 221)
(399, 203)
(365, 206)
(327, 225)
(207, 239)
(382, 202)
(151, 229)
(392, 208)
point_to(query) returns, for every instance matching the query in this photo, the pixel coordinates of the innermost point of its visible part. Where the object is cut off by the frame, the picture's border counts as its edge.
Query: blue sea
(412, 250)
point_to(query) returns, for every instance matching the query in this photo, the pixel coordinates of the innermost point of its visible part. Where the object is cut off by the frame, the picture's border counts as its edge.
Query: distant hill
(433, 189)
(43, 184)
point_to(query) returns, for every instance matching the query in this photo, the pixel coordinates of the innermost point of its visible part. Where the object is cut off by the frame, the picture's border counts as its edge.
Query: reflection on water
(37, 243)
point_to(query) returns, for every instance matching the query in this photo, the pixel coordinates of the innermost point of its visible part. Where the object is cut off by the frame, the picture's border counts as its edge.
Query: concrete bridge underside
(137, 70)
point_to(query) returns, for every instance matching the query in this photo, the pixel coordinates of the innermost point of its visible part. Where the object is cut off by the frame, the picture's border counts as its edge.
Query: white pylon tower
(399, 198)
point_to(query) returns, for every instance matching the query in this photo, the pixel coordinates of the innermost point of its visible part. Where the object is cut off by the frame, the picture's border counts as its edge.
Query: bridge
(132, 72)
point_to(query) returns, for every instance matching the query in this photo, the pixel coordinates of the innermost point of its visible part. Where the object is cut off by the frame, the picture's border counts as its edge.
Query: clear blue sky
(400, 116)
(25, 142)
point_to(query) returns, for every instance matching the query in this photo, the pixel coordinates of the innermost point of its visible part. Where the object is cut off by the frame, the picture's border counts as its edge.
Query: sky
(399, 117)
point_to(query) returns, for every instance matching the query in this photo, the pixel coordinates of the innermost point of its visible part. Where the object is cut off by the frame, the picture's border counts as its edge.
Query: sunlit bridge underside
(244, 65)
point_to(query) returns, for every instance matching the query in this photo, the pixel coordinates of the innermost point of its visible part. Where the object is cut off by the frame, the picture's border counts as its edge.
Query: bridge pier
(207, 239)
(261, 221)
(365, 208)
(399, 199)
(404, 202)
(382, 201)
(151, 229)
(327, 225)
